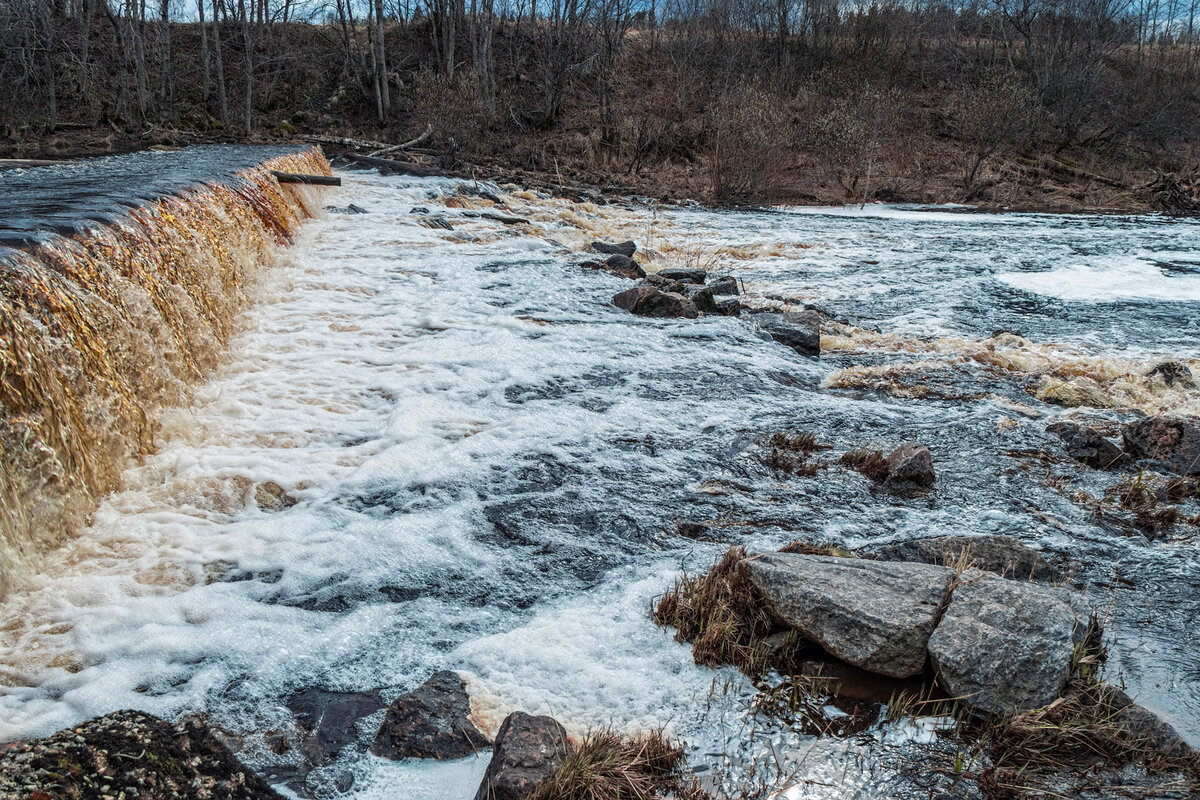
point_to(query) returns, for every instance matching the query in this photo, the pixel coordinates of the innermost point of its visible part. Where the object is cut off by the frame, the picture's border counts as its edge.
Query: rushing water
(489, 459)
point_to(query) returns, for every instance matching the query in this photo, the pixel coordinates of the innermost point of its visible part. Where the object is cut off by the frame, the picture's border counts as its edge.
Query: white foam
(1132, 279)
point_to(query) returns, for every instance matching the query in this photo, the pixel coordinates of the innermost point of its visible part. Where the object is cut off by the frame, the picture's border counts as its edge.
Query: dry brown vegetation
(1037, 103)
(870, 463)
(610, 766)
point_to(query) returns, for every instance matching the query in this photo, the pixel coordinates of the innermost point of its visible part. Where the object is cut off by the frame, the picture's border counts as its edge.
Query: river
(489, 460)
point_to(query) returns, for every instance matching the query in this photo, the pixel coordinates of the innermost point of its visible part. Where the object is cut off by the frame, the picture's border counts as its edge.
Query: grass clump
(720, 614)
(789, 452)
(870, 463)
(609, 766)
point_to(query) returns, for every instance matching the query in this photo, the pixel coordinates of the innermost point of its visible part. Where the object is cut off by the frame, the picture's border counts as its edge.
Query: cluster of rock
(1171, 444)
(689, 293)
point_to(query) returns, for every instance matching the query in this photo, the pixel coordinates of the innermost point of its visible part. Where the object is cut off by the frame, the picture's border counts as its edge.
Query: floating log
(318, 180)
(394, 167)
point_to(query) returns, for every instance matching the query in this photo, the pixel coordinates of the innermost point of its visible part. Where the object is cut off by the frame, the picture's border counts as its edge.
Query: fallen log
(317, 180)
(357, 144)
(407, 145)
(21, 163)
(390, 166)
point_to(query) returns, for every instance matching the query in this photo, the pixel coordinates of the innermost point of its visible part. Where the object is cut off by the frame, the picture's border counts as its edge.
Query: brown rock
(431, 722)
(528, 750)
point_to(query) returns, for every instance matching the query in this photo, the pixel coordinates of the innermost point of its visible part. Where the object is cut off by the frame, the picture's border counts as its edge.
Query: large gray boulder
(875, 615)
(799, 330)
(528, 750)
(992, 552)
(1172, 442)
(431, 722)
(1004, 645)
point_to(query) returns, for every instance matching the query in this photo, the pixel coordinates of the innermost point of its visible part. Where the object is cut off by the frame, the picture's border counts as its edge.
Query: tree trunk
(248, 52)
(164, 57)
(385, 101)
(205, 60)
(221, 97)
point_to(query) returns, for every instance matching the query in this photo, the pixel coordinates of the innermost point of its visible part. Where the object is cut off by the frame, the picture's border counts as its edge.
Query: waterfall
(102, 329)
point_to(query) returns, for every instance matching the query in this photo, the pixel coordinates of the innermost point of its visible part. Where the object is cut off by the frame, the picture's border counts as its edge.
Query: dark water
(42, 202)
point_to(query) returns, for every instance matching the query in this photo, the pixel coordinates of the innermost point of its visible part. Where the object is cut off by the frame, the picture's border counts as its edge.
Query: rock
(872, 614)
(527, 751)
(350, 209)
(647, 301)
(1173, 442)
(1086, 445)
(624, 265)
(328, 719)
(696, 276)
(729, 308)
(909, 466)
(626, 249)
(437, 222)
(799, 330)
(128, 754)
(1147, 727)
(702, 296)
(632, 270)
(1001, 554)
(1173, 373)
(270, 496)
(726, 284)
(431, 722)
(1005, 645)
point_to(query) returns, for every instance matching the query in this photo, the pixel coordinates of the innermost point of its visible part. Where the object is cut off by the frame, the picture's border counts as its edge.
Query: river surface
(489, 460)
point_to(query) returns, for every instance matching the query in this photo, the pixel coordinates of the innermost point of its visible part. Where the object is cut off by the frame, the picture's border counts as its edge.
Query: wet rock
(1172, 442)
(270, 496)
(726, 284)
(799, 330)
(328, 720)
(626, 249)
(1147, 727)
(702, 296)
(128, 754)
(624, 265)
(729, 308)
(437, 222)
(909, 466)
(1174, 373)
(1086, 445)
(873, 614)
(1005, 645)
(696, 276)
(350, 209)
(1001, 554)
(431, 722)
(527, 751)
(647, 301)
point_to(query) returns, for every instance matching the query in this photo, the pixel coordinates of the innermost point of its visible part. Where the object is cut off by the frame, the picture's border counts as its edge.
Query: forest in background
(1041, 104)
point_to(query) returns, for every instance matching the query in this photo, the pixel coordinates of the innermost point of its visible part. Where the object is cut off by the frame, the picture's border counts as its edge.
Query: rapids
(489, 459)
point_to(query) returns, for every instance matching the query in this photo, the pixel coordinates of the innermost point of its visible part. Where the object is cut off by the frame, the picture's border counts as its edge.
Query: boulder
(1086, 445)
(702, 296)
(647, 301)
(128, 754)
(617, 265)
(1004, 645)
(327, 721)
(873, 614)
(1172, 442)
(696, 276)
(909, 466)
(1174, 373)
(726, 284)
(994, 553)
(626, 249)
(799, 330)
(528, 750)
(729, 308)
(431, 722)
(1145, 726)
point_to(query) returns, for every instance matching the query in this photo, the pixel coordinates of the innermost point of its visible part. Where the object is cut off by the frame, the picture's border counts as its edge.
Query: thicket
(747, 100)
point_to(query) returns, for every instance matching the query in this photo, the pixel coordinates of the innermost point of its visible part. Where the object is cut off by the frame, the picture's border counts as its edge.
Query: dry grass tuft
(820, 549)
(720, 614)
(790, 451)
(609, 766)
(870, 463)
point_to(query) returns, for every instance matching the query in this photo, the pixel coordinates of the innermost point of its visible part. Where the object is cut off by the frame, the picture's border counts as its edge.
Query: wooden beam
(317, 180)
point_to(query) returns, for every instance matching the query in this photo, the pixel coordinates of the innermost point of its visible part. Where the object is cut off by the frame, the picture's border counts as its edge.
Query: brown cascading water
(100, 331)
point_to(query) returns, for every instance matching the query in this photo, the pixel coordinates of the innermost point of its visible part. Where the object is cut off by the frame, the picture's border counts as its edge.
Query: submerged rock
(799, 330)
(1086, 445)
(647, 301)
(270, 496)
(1145, 726)
(696, 276)
(729, 308)
(350, 209)
(431, 722)
(626, 249)
(328, 719)
(128, 754)
(1174, 373)
(1005, 645)
(528, 750)
(909, 466)
(994, 553)
(1172, 442)
(873, 614)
